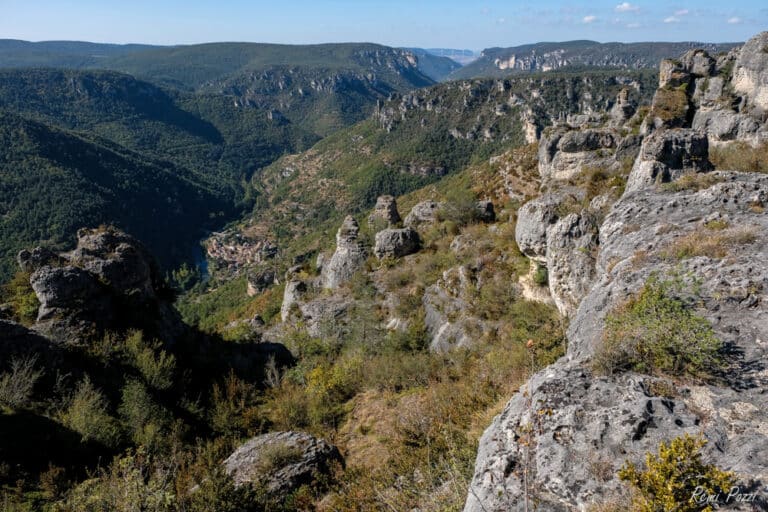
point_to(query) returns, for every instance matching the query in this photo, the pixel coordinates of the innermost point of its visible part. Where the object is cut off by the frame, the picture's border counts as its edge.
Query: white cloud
(501, 21)
(626, 7)
(633, 25)
(682, 12)
(589, 19)
(734, 21)
(671, 19)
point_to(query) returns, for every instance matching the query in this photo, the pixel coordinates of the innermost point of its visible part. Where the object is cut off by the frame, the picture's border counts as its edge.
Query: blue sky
(425, 23)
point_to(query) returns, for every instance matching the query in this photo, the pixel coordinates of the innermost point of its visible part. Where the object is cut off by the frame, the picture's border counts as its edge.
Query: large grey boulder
(66, 291)
(668, 154)
(560, 441)
(282, 462)
(385, 211)
(108, 282)
(534, 218)
(396, 243)
(29, 261)
(119, 261)
(564, 153)
(349, 257)
(423, 213)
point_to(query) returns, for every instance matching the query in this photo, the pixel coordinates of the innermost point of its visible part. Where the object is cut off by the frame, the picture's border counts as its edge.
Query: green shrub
(155, 365)
(87, 414)
(541, 275)
(16, 386)
(145, 419)
(655, 331)
(673, 477)
(233, 412)
(20, 295)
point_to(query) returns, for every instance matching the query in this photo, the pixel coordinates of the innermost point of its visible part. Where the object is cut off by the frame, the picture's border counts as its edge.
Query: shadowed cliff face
(561, 440)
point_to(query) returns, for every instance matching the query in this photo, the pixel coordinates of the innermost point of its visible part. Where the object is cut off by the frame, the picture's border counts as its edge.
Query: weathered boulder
(349, 257)
(282, 462)
(68, 291)
(396, 243)
(533, 220)
(571, 249)
(385, 211)
(324, 312)
(668, 154)
(623, 110)
(445, 308)
(108, 282)
(119, 261)
(424, 212)
(562, 438)
(564, 153)
(294, 289)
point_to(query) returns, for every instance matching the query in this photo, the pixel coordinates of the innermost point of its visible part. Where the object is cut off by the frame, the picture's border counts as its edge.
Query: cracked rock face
(564, 153)
(566, 246)
(665, 155)
(561, 439)
(282, 461)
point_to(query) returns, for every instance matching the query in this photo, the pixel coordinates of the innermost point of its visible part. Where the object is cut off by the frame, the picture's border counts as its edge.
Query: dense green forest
(53, 182)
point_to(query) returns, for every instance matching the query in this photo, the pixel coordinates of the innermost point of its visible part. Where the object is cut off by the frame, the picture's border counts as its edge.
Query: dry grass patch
(740, 156)
(715, 245)
(693, 182)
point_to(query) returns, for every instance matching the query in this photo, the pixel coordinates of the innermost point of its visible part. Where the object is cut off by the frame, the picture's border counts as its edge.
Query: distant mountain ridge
(210, 61)
(548, 56)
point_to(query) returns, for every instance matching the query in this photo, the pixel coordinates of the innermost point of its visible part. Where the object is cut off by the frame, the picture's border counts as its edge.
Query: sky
(418, 23)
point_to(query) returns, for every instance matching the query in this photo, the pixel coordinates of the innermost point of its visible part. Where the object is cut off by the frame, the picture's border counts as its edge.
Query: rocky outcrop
(750, 73)
(445, 307)
(349, 257)
(623, 110)
(109, 281)
(666, 155)
(725, 97)
(294, 289)
(571, 250)
(396, 243)
(485, 211)
(534, 218)
(385, 211)
(566, 246)
(423, 213)
(282, 462)
(563, 153)
(560, 441)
